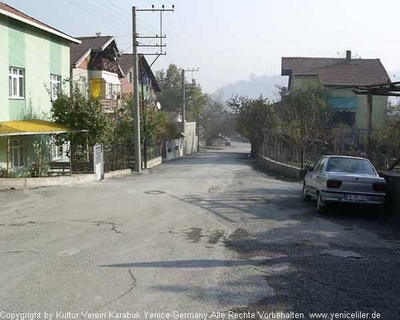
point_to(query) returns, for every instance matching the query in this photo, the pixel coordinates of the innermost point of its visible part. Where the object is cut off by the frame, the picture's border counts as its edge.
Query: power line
(95, 14)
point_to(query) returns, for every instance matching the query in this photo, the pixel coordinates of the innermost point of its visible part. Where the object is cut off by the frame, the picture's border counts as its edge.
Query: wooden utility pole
(369, 125)
(183, 101)
(136, 77)
(138, 156)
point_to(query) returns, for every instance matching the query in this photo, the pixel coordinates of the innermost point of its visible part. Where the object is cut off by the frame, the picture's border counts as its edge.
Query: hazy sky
(230, 39)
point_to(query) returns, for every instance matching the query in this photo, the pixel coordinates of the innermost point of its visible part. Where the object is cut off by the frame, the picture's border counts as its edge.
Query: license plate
(356, 197)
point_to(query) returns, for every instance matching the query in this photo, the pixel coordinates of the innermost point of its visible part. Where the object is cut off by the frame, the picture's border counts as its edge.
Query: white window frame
(55, 86)
(109, 91)
(17, 149)
(83, 85)
(16, 83)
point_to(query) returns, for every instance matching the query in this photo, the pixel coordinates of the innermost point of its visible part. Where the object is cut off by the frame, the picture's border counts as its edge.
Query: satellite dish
(158, 105)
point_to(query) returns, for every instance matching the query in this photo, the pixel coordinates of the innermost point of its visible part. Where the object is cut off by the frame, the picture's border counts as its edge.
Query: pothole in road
(194, 234)
(154, 192)
(239, 234)
(215, 236)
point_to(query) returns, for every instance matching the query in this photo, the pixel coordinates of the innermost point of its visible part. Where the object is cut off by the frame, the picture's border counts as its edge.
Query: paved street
(210, 232)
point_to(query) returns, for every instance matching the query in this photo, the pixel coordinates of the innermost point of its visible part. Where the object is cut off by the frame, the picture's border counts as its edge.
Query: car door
(319, 177)
(310, 177)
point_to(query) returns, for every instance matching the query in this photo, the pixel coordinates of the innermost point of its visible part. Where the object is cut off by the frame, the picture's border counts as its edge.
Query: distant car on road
(341, 179)
(227, 142)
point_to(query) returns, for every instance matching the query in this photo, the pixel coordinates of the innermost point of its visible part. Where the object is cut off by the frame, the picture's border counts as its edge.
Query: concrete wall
(39, 54)
(190, 138)
(19, 183)
(173, 149)
(299, 82)
(77, 74)
(281, 168)
(392, 205)
(127, 87)
(4, 54)
(154, 162)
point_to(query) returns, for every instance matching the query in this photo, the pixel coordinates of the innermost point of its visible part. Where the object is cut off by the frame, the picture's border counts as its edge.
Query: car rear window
(350, 165)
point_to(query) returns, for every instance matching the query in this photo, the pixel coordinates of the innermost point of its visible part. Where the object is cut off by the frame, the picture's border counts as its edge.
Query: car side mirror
(308, 168)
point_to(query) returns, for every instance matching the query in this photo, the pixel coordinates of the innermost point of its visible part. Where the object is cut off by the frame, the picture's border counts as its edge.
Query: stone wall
(281, 168)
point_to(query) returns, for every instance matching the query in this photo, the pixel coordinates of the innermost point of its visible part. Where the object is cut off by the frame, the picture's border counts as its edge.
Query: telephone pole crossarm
(137, 77)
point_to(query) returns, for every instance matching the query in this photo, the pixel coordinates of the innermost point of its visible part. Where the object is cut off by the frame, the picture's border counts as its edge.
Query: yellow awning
(34, 127)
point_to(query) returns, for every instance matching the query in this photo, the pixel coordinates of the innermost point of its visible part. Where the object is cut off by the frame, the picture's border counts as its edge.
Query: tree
(170, 83)
(170, 97)
(303, 117)
(196, 102)
(82, 112)
(254, 119)
(215, 121)
(153, 122)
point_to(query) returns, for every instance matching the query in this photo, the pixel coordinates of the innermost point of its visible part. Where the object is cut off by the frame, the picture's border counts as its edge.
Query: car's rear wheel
(321, 206)
(304, 194)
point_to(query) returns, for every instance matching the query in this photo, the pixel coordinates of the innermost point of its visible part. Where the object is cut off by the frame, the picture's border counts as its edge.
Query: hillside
(253, 88)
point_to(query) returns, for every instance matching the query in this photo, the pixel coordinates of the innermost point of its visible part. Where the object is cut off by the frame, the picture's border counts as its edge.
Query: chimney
(348, 56)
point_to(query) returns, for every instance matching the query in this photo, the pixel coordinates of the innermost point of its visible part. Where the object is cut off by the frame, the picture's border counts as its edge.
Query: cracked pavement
(210, 232)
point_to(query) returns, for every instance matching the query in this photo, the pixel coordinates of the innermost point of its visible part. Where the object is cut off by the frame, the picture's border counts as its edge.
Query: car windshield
(351, 165)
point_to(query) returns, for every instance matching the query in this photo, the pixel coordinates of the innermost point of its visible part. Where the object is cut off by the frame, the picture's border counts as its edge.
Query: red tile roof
(337, 72)
(32, 21)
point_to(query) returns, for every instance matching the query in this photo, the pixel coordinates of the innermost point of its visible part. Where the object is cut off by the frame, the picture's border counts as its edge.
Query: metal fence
(351, 142)
(122, 156)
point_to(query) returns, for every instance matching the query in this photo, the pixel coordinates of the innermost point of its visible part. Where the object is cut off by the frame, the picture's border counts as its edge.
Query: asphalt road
(206, 233)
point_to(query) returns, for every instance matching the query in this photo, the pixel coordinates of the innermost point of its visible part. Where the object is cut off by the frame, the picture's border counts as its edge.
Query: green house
(34, 68)
(340, 76)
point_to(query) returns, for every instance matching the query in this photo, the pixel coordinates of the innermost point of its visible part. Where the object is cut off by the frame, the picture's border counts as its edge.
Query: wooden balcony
(109, 105)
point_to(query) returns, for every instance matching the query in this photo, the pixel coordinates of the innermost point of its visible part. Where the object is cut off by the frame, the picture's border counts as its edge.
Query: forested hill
(253, 88)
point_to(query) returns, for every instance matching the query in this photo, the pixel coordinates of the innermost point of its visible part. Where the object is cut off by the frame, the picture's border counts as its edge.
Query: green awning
(343, 103)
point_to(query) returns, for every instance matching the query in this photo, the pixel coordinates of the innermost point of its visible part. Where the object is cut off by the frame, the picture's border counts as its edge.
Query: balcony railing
(109, 105)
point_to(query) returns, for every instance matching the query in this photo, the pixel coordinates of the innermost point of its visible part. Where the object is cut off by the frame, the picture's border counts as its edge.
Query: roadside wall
(22, 183)
(190, 138)
(281, 168)
(173, 149)
(393, 191)
(154, 162)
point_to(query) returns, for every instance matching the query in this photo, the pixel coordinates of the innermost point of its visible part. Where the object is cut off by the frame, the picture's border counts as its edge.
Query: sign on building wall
(98, 161)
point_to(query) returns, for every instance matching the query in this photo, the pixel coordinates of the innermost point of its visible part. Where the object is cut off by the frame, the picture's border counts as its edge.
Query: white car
(340, 179)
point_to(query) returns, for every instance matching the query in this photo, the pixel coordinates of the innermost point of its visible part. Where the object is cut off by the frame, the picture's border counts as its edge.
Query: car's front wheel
(321, 206)
(304, 194)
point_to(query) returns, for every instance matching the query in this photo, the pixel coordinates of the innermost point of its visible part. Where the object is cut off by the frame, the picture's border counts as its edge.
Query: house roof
(336, 71)
(126, 63)
(15, 14)
(80, 51)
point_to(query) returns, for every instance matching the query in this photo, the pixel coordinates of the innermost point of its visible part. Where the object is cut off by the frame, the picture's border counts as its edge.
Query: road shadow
(187, 264)
(212, 158)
